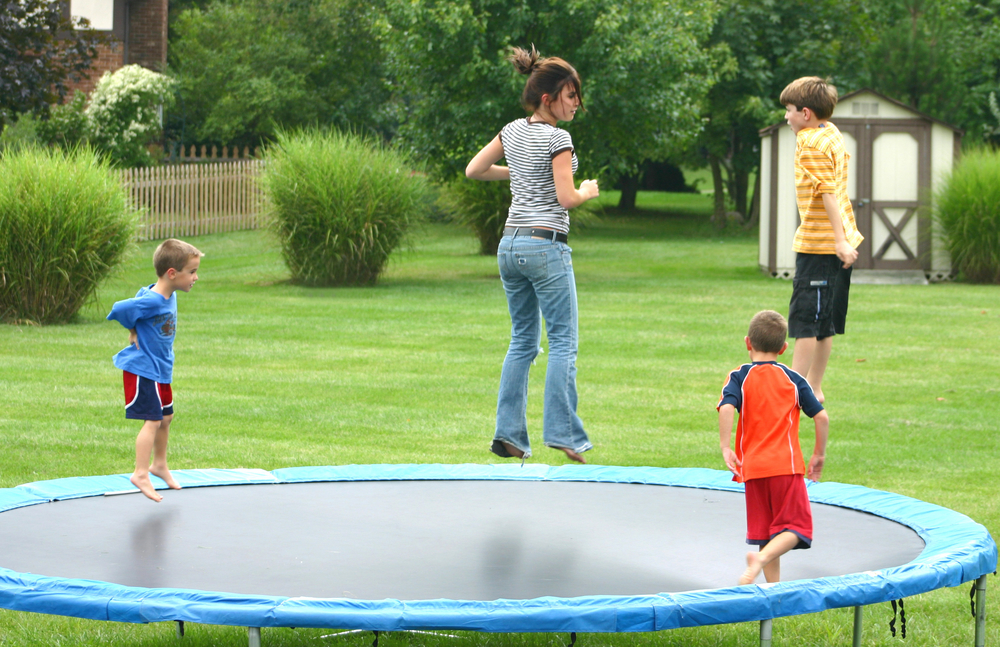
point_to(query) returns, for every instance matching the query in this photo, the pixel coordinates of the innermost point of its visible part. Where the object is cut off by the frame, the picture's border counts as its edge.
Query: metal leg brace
(765, 633)
(981, 611)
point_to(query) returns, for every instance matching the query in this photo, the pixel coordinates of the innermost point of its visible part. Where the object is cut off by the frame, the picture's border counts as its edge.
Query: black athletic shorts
(820, 292)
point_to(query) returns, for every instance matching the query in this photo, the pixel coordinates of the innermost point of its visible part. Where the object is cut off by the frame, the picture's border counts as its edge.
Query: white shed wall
(942, 162)
(765, 203)
(788, 210)
(869, 106)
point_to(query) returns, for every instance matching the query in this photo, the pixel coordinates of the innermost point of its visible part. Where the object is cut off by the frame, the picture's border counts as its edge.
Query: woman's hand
(588, 188)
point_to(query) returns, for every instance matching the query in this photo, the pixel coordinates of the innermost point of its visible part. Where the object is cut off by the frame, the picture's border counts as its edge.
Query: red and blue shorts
(778, 504)
(146, 399)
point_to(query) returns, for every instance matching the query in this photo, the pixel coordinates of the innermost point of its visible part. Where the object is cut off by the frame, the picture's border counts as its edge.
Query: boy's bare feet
(145, 486)
(167, 477)
(754, 567)
(573, 456)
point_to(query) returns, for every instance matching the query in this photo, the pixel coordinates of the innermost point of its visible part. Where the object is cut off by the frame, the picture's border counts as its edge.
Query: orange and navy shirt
(768, 397)
(821, 167)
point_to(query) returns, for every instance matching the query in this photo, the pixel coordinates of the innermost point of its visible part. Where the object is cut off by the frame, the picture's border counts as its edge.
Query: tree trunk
(630, 187)
(742, 181)
(719, 210)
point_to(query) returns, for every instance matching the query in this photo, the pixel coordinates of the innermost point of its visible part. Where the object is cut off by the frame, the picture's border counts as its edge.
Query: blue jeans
(538, 280)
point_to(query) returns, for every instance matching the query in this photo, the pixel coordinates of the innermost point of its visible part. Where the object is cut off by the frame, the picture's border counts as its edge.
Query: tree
(772, 43)
(940, 56)
(302, 63)
(40, 50)
(644, 68)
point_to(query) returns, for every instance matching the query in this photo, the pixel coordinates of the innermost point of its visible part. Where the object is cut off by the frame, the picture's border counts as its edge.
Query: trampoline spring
(572, 639)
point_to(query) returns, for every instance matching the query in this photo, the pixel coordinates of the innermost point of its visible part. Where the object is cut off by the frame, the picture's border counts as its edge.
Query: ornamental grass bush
(65, 222)
(483, 206)
(968, 210)
(340, 203)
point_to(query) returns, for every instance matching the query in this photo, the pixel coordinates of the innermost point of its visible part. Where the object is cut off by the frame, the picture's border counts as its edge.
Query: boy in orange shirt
(768, 459)
(826, 241)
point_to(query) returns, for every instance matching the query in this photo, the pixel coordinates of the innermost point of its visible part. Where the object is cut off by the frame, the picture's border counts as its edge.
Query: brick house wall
(139, 37)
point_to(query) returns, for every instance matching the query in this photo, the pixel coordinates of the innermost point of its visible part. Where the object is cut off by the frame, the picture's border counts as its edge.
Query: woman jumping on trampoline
(535, 262)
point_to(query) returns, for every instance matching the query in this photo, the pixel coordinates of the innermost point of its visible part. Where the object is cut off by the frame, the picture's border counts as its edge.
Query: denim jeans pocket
(532, 265)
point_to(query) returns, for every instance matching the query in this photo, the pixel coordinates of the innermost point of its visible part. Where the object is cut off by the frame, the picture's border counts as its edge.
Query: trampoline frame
(957, 550)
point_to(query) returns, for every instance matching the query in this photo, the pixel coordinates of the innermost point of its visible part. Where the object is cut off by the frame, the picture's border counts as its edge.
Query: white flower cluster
(124, 110)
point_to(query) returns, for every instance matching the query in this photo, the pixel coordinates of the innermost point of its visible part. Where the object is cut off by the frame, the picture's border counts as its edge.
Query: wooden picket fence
(195, 199)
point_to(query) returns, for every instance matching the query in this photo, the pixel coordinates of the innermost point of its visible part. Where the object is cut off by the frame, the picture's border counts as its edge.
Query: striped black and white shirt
(529, 148)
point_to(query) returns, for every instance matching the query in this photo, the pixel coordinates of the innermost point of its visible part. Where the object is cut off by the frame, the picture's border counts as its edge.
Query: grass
(270, 374)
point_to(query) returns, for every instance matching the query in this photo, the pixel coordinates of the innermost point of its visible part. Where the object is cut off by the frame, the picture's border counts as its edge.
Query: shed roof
(763, 132)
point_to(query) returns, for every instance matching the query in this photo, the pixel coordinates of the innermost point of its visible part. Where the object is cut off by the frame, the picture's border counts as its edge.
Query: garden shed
(899, 157)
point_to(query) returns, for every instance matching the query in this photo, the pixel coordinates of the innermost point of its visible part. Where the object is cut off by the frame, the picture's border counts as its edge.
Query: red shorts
(146, 399)
(777, 504)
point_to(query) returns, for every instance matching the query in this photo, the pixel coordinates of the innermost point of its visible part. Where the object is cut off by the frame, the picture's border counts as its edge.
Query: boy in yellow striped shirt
(827, 238)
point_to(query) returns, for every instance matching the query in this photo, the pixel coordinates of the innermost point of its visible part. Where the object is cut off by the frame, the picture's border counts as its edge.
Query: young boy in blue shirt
(147, 362)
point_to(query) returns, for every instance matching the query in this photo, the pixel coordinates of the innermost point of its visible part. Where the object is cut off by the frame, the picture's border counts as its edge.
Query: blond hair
(173, 254)
(811, 92)
(767, 331)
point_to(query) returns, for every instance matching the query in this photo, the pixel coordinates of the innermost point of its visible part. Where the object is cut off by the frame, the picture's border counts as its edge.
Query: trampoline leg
(981, 611)
(180, 628)
(254, 633)
(857, 627)
(765, 633)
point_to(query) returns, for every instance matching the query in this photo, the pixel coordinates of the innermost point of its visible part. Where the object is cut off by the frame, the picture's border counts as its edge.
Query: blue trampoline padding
(77, 487)
(957, 550)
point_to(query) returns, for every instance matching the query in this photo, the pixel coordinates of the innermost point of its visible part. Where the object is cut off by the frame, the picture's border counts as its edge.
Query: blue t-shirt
(155, 321)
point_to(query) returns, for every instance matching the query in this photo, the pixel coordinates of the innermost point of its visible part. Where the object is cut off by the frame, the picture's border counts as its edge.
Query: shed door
(892, 167)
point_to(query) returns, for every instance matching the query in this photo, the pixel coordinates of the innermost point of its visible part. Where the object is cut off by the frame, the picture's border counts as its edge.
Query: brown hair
(545, 76)
(767, 331)
(811, 92)
(173, 254)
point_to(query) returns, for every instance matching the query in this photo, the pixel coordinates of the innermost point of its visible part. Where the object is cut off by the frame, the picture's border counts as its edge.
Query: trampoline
(493, 548)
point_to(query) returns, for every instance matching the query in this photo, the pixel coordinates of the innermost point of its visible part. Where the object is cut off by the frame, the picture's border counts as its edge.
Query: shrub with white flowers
(123, 115)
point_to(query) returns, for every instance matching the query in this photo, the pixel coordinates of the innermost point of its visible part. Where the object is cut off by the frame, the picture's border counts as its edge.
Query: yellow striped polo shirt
(821, 167)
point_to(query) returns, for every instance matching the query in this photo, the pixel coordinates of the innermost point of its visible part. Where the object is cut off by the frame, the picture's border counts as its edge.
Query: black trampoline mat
(418, 540)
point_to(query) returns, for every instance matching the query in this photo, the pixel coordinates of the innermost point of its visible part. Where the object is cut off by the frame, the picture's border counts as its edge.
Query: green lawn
(273, 375)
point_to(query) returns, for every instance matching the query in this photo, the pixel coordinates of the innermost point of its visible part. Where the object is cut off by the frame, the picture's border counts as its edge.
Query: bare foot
(167, 477)
(573, 456)
(513, 451)
(754, 567)
(819, 395)
(142, 482)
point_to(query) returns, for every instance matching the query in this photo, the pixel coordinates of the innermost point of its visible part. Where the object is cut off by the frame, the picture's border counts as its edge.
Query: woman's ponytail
(523, 60)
